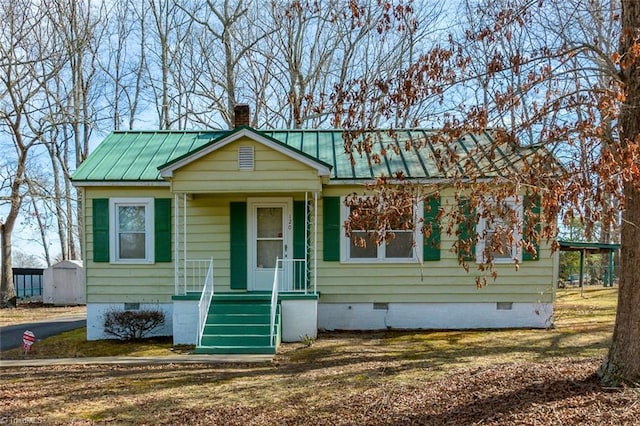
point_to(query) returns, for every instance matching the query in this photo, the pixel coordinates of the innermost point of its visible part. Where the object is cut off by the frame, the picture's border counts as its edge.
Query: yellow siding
(218, 172)
(111, 283)
(432, 281)
(208, 236)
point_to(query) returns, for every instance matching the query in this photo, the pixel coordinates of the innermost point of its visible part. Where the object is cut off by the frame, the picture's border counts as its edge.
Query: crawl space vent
(245, 158)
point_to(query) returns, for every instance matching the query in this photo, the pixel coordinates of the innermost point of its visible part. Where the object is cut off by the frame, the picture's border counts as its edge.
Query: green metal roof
(136, 156)
(587, 246)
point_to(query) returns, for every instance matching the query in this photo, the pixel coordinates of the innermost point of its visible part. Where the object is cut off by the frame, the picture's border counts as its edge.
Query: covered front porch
(259, 284)
(245, 217)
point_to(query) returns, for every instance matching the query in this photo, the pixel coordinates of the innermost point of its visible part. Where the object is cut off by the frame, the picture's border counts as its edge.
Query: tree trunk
(7, 289)
(622, 364)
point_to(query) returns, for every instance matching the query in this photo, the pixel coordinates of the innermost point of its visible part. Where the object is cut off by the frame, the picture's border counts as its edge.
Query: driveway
(11, 335)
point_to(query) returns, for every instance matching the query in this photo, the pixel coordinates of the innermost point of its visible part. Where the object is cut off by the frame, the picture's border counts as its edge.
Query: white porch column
(176, 246)
(180, 238)
(315, 242)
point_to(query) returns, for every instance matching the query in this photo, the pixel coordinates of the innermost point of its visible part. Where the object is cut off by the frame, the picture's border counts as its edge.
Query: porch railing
(192, 275)
(294, 276)
(274, 304)
(205, 301)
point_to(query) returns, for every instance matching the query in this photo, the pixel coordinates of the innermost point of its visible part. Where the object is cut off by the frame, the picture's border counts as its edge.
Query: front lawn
(385, 378)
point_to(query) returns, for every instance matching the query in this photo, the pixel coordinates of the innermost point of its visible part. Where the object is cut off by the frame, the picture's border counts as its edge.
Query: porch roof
(135, 157)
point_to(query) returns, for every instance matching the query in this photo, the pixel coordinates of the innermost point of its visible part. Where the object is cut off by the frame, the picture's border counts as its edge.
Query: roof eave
(111, 183)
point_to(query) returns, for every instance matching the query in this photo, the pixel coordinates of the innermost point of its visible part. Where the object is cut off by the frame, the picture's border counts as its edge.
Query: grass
(73, 344)
(346, 378)
(583, 326)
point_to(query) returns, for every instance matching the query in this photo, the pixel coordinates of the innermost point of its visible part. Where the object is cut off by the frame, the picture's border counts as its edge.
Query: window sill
(379, 261)
(132, 262)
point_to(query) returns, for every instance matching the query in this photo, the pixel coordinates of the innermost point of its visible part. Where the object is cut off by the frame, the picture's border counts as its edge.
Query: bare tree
(31, 58)
(168, 31)
(122, 62)
(561, 91)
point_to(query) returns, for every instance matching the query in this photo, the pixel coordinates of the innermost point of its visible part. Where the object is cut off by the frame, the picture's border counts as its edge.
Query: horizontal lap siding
(273, 172)
(111, 283)
(432, 281)
(208, 234)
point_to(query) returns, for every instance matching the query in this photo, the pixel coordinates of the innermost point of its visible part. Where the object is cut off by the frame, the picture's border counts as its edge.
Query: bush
(132, 325)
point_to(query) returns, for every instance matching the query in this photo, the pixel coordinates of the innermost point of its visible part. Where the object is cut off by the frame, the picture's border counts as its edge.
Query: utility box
(63, 284)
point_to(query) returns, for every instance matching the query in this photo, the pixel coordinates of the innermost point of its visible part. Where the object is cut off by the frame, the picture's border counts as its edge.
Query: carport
(593, 248)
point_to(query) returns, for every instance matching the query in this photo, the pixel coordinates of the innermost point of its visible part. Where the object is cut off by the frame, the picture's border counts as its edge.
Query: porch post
(611, 266)
(306, 242)
(315, 242)
(176, 244)
(184, 238)
(180, 238)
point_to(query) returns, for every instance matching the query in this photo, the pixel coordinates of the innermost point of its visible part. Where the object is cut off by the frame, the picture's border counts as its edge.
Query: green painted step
(236, 340)
(242, 297)
(235, 350)
(239, 308)
(221, 329)
(238, 318)
(239, 324)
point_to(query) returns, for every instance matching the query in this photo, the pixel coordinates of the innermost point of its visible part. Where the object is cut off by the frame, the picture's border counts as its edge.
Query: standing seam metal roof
(134, 156)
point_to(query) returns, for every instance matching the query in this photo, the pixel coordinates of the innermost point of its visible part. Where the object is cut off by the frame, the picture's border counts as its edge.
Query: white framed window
(402, 244)
(500, 231)
(131, 225)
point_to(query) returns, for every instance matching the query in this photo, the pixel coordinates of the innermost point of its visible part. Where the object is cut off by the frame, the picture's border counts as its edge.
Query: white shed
(63, 284)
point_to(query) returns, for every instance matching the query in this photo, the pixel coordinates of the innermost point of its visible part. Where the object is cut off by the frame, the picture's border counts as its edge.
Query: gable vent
(245, 158)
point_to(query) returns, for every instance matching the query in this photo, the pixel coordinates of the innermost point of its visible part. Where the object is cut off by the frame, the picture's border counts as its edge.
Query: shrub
(132, 325)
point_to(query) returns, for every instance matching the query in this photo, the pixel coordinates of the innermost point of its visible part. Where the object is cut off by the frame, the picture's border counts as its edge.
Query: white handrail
(205, 301)
(274, 303)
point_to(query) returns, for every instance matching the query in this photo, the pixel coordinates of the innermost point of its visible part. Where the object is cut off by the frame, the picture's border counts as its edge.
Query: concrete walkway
(176, 359)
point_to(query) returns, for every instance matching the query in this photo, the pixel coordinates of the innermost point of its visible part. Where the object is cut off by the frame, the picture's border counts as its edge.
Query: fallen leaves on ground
(562, 391)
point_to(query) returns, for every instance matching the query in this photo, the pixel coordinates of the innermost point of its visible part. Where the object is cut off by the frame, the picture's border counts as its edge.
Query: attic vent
(245, 158)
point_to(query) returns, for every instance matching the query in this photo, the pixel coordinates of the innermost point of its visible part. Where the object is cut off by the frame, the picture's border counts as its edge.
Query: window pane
(401, 246)
(269, 222)
(403, 220)
(369, 251)
(498, 243)
(132, 246)
(362, 218)
(131, 218)
(267, 251)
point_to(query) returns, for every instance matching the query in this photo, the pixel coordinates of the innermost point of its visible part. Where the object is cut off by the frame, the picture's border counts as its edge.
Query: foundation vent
(131, 306)
(245, 158)
(504, 306)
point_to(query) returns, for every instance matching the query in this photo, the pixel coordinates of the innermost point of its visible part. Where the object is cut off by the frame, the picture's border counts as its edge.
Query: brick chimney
(241, 115)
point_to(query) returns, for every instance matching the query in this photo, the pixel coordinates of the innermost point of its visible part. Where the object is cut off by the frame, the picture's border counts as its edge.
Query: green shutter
(531, 225)
(467, 232)
(238, 247)
(431, 245)
(162, 229)
(331, 229)
(299, 243)
(101, 230)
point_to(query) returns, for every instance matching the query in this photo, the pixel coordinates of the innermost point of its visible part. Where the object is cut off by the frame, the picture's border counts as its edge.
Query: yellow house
(238, 236)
